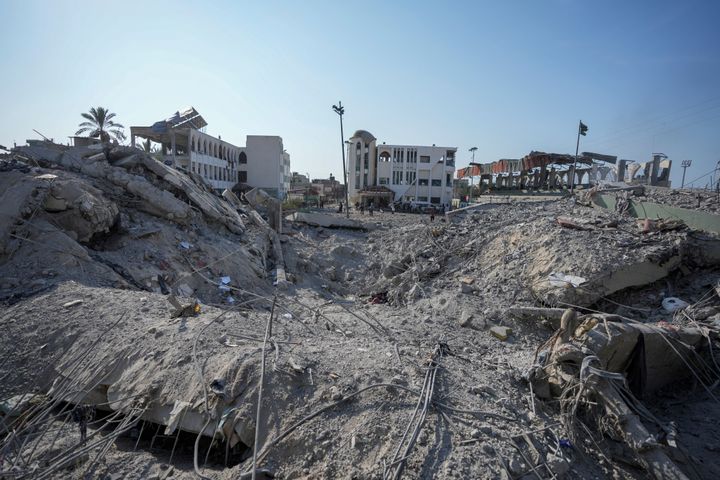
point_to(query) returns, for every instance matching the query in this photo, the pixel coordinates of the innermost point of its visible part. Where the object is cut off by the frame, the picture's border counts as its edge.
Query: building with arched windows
(398, 173)
(262, 163)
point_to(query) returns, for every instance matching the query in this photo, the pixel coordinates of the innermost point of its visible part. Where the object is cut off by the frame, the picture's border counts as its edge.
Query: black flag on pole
(583, 129)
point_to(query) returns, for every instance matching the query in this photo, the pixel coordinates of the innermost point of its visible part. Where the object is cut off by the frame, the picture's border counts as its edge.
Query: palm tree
(100, 125)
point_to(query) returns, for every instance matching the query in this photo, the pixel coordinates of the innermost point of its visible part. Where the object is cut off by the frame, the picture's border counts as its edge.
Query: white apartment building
(263, 162)
(399, 173)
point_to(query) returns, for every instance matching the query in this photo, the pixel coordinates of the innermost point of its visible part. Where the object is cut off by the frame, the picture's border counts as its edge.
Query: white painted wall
(268, 165)
(435, 169)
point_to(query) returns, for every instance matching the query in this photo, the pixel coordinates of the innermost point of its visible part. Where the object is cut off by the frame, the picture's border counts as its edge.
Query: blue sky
(506, 76)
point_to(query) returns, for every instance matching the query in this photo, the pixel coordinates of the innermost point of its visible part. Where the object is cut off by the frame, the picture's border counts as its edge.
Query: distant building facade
(328, 188)
(268, 164)
(398, 173)
(263, 162)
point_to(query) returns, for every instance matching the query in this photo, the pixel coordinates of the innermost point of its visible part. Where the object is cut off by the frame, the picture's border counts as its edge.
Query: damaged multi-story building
(263, 162)
(540, 170)
(398, 173)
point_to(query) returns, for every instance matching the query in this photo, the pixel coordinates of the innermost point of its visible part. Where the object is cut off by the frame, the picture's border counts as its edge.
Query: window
(424, 158)
(450, 156)
(409, 198)
(365, 177)
(357, 181)
(409, 177)
(366, 163)
(383, 180)
(448, 179)
(397, 178)
(384, 157)
(437, 183)
(242, 176)
(412, 156)
(423, 182)
(422, 199)
(243, 158)
(435, 200)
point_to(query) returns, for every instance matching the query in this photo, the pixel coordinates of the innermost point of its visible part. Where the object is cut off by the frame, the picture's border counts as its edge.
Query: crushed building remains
(154, 328)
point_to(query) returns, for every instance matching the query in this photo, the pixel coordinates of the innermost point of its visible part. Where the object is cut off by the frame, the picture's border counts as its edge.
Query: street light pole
(472, 150)
(582, 129)
(340, 110)
(684, 164)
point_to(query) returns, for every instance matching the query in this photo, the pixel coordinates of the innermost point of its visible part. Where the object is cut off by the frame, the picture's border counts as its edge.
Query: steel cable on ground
(427, 401)
(268, 334)
(65, 384)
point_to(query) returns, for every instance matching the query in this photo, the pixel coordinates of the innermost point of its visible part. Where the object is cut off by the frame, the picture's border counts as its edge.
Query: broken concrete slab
(258, 198)
(166, 203)
(326, 221)
(696, 219)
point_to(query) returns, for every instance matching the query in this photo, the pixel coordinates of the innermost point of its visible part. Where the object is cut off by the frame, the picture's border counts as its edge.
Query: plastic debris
(224, 284)
(565, 443)
(673, 304)
(186, 245)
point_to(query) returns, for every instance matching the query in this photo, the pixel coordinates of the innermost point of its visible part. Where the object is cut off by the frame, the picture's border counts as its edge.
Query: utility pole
(582, 130)
(472, 162)
(684, 164)
(340, 110)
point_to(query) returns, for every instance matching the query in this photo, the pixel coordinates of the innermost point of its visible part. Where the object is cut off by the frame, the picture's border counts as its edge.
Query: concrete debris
(500, 332)
(466, 319)
(326, 221)
(166, 200)
(259, 198)
(141, 312)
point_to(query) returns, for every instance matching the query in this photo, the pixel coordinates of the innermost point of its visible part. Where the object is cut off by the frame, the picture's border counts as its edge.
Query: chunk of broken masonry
(500, 332)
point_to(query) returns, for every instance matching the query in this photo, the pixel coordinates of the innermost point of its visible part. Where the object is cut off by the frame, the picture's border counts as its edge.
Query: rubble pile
(704, 200)
(557, 253)
(150, 334)
(118, 219)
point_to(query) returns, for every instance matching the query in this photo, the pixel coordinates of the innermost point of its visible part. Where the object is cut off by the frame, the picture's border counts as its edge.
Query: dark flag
(583, 129)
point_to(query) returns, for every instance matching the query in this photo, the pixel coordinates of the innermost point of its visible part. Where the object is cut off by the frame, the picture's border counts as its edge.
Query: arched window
(358, 146)
(243, 158)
